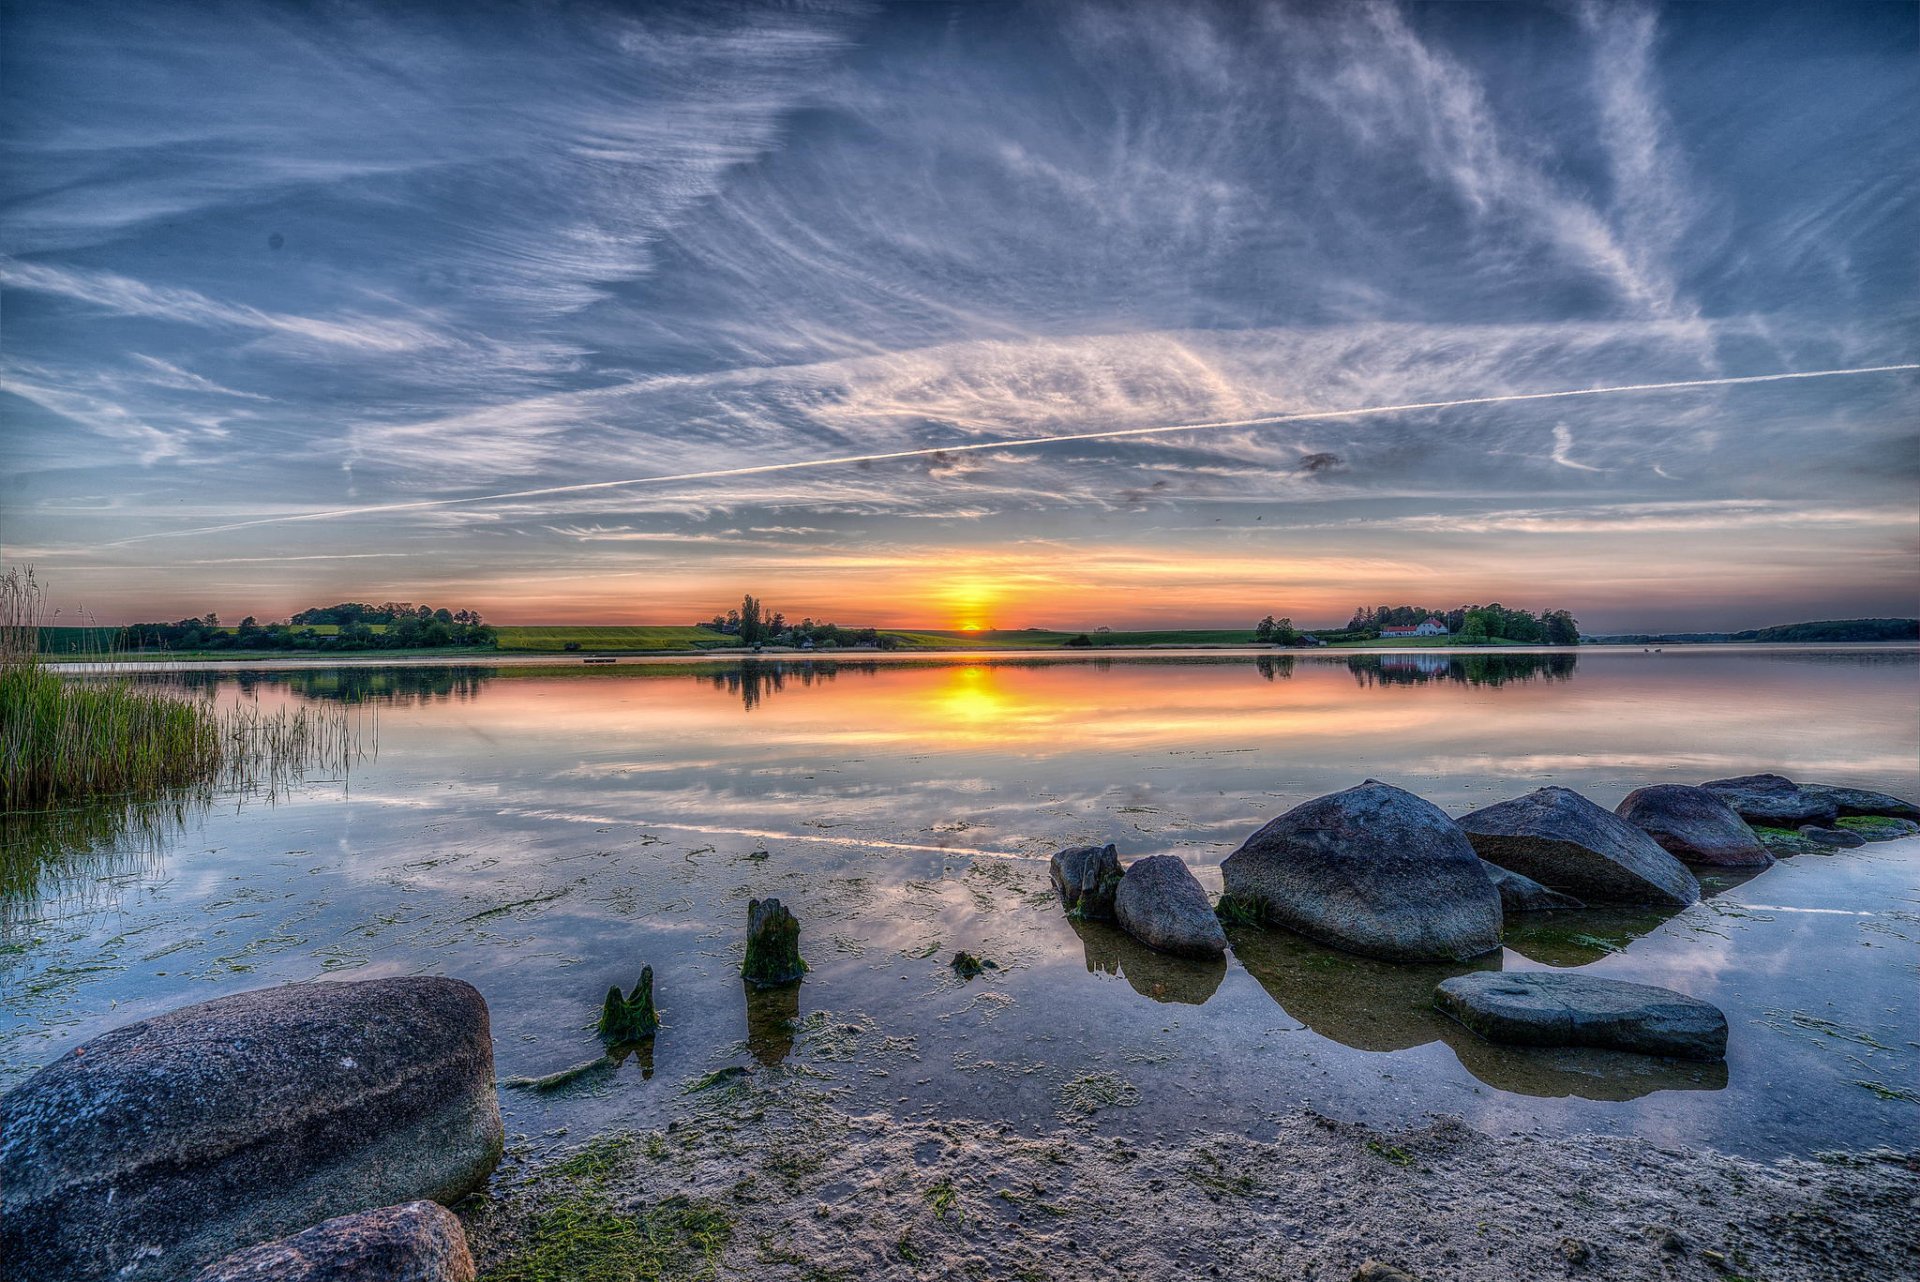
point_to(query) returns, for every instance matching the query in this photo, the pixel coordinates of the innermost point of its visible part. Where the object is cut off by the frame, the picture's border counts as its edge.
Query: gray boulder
(1523, 894)
(1562, 840)
(1838, 838)
(1087, 877)
(1862, 801)
(1694, 824)
(1879, 827)
(416, 1242)
(1774, 800)
(1531, 1009)
(173, 1141)
(1160, 904)
(1374, 870)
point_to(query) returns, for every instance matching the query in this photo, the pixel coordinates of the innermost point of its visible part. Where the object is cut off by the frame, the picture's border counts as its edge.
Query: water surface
(544, 831)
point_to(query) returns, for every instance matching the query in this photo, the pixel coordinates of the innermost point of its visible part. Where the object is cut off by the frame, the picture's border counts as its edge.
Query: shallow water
(546, 831)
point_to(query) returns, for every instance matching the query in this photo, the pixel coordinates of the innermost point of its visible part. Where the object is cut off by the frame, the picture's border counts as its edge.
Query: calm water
(544, 832)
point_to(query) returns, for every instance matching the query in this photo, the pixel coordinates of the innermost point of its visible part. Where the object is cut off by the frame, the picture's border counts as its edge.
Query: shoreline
(270, 661)
(767, 1176)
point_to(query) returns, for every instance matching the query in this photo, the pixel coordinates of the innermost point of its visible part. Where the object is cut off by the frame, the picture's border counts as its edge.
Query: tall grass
(90, 734)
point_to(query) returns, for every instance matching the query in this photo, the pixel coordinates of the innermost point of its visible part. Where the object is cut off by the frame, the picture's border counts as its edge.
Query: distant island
(1825, 631)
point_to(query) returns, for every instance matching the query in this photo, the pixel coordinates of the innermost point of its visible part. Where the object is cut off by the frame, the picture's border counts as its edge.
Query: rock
(1838, 838)
(1772, 799)
(624, 1020)
(1562, 840)
(1380, 1271)
(416, 1242)
(1862, 801)
(170, 1142)
(968, 966)
(773, 946)
(1784, 843)
(1878, 828)
(1087, 877)
(1523, 894)
(1160, 904)
(1694, 824)
(1374, 870)
(1534, 1009)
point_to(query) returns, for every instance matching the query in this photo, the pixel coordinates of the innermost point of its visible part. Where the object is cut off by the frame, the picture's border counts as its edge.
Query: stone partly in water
(624, 1020)
(1784, 843)
(1863, 801)
(1087, 877)
(1374, 870)
(773, 946)
(1694, 824)
(167, 1143)
(416, 1242)
(1161, 904)
(1772, 799)
(1838, 838)
(1878, 828)
(1523, 894)
(1562, 840)
(1536, 1009)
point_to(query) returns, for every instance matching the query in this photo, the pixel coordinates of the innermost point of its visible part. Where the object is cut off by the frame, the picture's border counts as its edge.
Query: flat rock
(415, 1242)
(1878, 827)
(1374, 870)
(1838, 838)
(1531, 1009)
(1863, 801)
(1162, 905)
(1086, 877)
(1694, 824)
(1773, 799)
(1523, 894)
(1563, 841)
(173, 1141)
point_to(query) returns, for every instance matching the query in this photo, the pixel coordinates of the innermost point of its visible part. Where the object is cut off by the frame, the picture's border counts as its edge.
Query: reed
(66, 737)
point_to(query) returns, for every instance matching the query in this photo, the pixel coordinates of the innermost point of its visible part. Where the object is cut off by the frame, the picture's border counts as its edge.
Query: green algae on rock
(631, 1018)
(773, 946)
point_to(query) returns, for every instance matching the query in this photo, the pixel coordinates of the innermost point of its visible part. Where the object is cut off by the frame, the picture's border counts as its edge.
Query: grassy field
(533, 640)
(1051, 640)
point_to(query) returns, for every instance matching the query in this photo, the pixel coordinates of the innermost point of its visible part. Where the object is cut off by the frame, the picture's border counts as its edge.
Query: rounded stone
(1566, 842)
(414, 1242)
(1161, 904)
(1694, 824)
(1534, 1009)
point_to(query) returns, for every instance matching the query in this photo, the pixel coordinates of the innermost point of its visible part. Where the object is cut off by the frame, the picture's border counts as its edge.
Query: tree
(752, 628)
(1265, 631)
(1561, 628)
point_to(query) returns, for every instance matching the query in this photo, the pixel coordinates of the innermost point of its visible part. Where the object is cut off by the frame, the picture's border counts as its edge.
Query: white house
(1431, 627)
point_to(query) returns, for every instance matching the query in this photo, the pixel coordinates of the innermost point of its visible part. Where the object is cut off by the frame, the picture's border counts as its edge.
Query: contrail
(1025, 442)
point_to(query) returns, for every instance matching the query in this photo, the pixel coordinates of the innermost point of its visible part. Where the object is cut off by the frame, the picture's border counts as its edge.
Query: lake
(544, 831)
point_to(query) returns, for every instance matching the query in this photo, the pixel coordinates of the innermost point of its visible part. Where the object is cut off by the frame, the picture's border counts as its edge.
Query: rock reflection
(1583, 936)
(1111, 951)
(1388, 1006)
(771, 1016)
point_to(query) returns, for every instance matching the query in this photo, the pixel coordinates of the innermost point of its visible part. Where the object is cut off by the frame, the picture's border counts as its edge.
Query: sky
(299, 302)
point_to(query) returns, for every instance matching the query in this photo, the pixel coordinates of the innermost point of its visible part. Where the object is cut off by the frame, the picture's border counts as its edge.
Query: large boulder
(1862, 801)
(1374, 870)
(1695, 825)
(1162, 905)
(167, 1143)
(1773, 800)
(1523, 894)
(1534, 1009)
(1086, 877)
(1562, 840)
(416, 1242)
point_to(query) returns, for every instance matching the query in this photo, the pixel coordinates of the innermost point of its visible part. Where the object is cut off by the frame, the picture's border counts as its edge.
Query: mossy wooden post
(773, 946)
(624, 1020)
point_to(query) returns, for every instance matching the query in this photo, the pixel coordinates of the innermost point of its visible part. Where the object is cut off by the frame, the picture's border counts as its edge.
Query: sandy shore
(763, 1176)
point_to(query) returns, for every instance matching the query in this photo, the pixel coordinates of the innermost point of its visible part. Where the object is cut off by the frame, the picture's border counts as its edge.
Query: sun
(970, 603)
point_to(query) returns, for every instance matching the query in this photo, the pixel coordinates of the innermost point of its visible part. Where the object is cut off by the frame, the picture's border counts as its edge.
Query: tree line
(1494, 622)
(392, 626)
(755, 624)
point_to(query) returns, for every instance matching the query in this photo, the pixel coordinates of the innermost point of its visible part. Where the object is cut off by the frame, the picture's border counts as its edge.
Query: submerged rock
(1694, 824)
(1087, 877)
(1863, 801)
(1772, 799)
(1374, 870)
(1784, 843)
(416, 1242)
(1532, 1009)
(1877, 827)
(773, 946)
(1161, 904)
(632, 1018)
(1838, 838)
(170, 1142)
(1562, 840)
(968, 966)
(1520, 894)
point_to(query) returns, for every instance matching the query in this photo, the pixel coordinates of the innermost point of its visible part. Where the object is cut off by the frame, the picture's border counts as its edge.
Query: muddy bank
(765, 1176)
